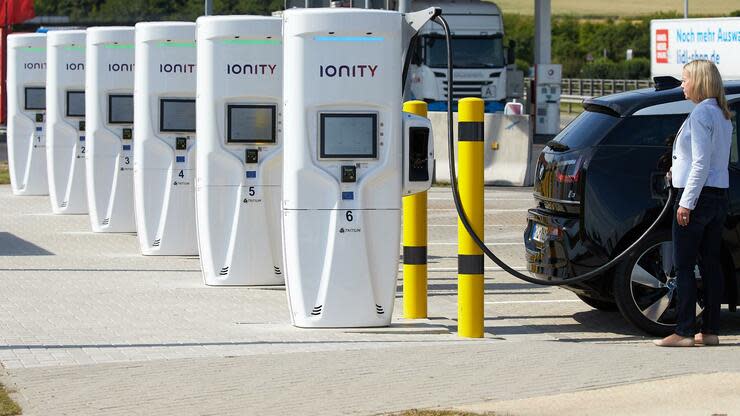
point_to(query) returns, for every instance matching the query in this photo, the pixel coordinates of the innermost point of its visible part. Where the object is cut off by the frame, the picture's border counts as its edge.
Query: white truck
(675, 42)
(480, 57)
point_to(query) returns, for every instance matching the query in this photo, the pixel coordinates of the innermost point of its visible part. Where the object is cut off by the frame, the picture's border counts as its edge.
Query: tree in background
(589, 48)
(142, 10)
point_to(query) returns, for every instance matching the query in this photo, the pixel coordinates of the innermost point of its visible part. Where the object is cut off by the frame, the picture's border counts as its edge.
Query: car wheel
(645, 286)
(599, 304)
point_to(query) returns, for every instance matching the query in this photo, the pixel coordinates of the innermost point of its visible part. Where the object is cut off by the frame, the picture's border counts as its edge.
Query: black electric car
(599, 184)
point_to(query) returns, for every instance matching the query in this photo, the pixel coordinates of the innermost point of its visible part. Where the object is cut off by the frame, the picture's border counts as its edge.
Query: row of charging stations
(165, 139)
(26, 82)
(304, 190)
(65, 121)
(109, 124)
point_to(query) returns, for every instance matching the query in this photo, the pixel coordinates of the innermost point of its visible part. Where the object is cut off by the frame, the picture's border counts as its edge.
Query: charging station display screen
(251, 124)
(177, 114)
(120, 109)
(35, 98)
(75, 103)
(349, 136)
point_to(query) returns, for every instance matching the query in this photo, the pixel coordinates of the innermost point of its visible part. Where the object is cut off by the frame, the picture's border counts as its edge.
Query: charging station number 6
(348, 215)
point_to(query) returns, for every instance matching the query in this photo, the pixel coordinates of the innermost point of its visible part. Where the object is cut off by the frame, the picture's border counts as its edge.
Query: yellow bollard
(415, 242)
(470, 185)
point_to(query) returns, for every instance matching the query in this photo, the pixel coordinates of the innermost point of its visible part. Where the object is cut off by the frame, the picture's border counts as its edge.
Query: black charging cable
(466, 223)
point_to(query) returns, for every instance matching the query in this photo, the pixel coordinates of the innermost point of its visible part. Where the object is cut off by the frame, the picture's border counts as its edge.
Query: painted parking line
(485, 199)
(454, 269)
(487, 209)
(487, 225)
(513, 302)
(454, 243)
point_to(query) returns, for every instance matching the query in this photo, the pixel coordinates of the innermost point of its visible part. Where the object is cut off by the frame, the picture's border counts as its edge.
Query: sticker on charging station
(251, 174)
(348, 196)
(180, 159)
(250, 195)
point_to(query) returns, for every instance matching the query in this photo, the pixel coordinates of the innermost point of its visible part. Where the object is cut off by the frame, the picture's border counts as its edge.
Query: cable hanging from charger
(464, 218)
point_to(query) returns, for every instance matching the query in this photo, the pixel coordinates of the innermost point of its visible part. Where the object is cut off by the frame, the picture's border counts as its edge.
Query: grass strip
(4, 173)
(7, 406)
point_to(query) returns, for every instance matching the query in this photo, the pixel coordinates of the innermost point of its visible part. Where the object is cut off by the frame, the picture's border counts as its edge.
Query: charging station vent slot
(317, 310)
(156, 242)
(379, 309)
(277, 270)
(105, 221)
(224, 271)
(63, 204)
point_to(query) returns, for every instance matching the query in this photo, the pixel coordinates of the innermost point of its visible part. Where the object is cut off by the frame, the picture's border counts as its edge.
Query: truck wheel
(645, 286)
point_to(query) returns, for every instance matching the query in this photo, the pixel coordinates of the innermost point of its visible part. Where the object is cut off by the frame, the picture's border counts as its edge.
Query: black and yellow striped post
(415, 242)
(470, 185)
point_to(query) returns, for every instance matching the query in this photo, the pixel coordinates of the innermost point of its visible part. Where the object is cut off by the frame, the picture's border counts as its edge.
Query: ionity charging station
(350, 155)
(26, 84)
(109, 100)
(65, 124)
(239, 161)
(164, 138)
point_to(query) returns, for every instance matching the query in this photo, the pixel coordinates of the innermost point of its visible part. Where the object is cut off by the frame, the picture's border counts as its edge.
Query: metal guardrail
(589, 87)
(575, 90)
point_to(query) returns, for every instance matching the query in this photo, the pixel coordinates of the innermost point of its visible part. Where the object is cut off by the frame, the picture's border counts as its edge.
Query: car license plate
(538, 232)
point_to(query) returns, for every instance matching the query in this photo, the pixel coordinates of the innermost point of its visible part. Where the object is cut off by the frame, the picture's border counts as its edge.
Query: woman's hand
(682, 216)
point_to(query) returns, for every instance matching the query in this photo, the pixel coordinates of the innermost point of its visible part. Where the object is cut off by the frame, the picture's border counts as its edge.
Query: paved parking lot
(88, 326)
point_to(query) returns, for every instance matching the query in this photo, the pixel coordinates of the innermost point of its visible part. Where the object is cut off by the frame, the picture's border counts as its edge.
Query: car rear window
(586, 130)
(653, 130)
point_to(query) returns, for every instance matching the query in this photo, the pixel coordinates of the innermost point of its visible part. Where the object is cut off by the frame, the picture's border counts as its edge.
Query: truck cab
(478, 54)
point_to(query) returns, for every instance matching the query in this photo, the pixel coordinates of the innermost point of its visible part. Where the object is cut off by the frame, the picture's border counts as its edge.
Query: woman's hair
(707, 83)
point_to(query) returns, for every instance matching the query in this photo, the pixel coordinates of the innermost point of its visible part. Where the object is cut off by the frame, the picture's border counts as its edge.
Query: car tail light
(569, 171)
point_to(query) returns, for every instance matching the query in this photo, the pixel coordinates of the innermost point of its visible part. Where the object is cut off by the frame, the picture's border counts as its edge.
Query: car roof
(626, 103)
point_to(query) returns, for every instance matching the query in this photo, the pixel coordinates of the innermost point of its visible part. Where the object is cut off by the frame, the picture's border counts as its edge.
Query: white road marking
(513, 302)
(487, 225)
(487, 209)
(454, 243)
(454, 269)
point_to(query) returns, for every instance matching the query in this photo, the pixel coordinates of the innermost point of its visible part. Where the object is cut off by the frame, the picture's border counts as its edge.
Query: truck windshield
(467, 51)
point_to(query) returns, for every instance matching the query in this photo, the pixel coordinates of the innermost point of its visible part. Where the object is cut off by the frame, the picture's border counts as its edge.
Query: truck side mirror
(418, 154)
(511, 53)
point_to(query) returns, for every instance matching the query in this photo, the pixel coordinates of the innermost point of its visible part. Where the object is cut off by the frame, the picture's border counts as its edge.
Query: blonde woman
(701, 154)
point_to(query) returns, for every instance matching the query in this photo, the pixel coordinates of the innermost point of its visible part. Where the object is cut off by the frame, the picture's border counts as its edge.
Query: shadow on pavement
(11, 245)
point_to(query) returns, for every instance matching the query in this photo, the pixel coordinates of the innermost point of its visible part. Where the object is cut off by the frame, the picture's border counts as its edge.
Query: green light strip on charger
(74, 48)
(35, 49)
(177, 44)
(120, 46)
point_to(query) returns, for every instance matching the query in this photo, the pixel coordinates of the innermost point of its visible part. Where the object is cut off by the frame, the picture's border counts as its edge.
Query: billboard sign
(675, 42)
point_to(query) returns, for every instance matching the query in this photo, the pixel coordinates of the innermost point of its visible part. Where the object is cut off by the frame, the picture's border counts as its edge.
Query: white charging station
(109, 103)
(164, 138)
(26, 86)
(65, 121)
(239, 161)
(347, 151)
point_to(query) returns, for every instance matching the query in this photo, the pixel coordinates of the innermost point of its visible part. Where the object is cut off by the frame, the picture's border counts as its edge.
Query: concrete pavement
(88, 326)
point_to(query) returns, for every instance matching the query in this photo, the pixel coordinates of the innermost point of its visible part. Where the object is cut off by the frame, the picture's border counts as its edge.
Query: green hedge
(589, 48)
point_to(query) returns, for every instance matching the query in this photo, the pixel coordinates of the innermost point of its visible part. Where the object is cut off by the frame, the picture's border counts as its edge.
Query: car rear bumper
(562, 252)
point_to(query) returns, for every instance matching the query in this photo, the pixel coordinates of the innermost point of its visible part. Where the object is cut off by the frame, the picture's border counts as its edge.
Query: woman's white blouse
(701, 152)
